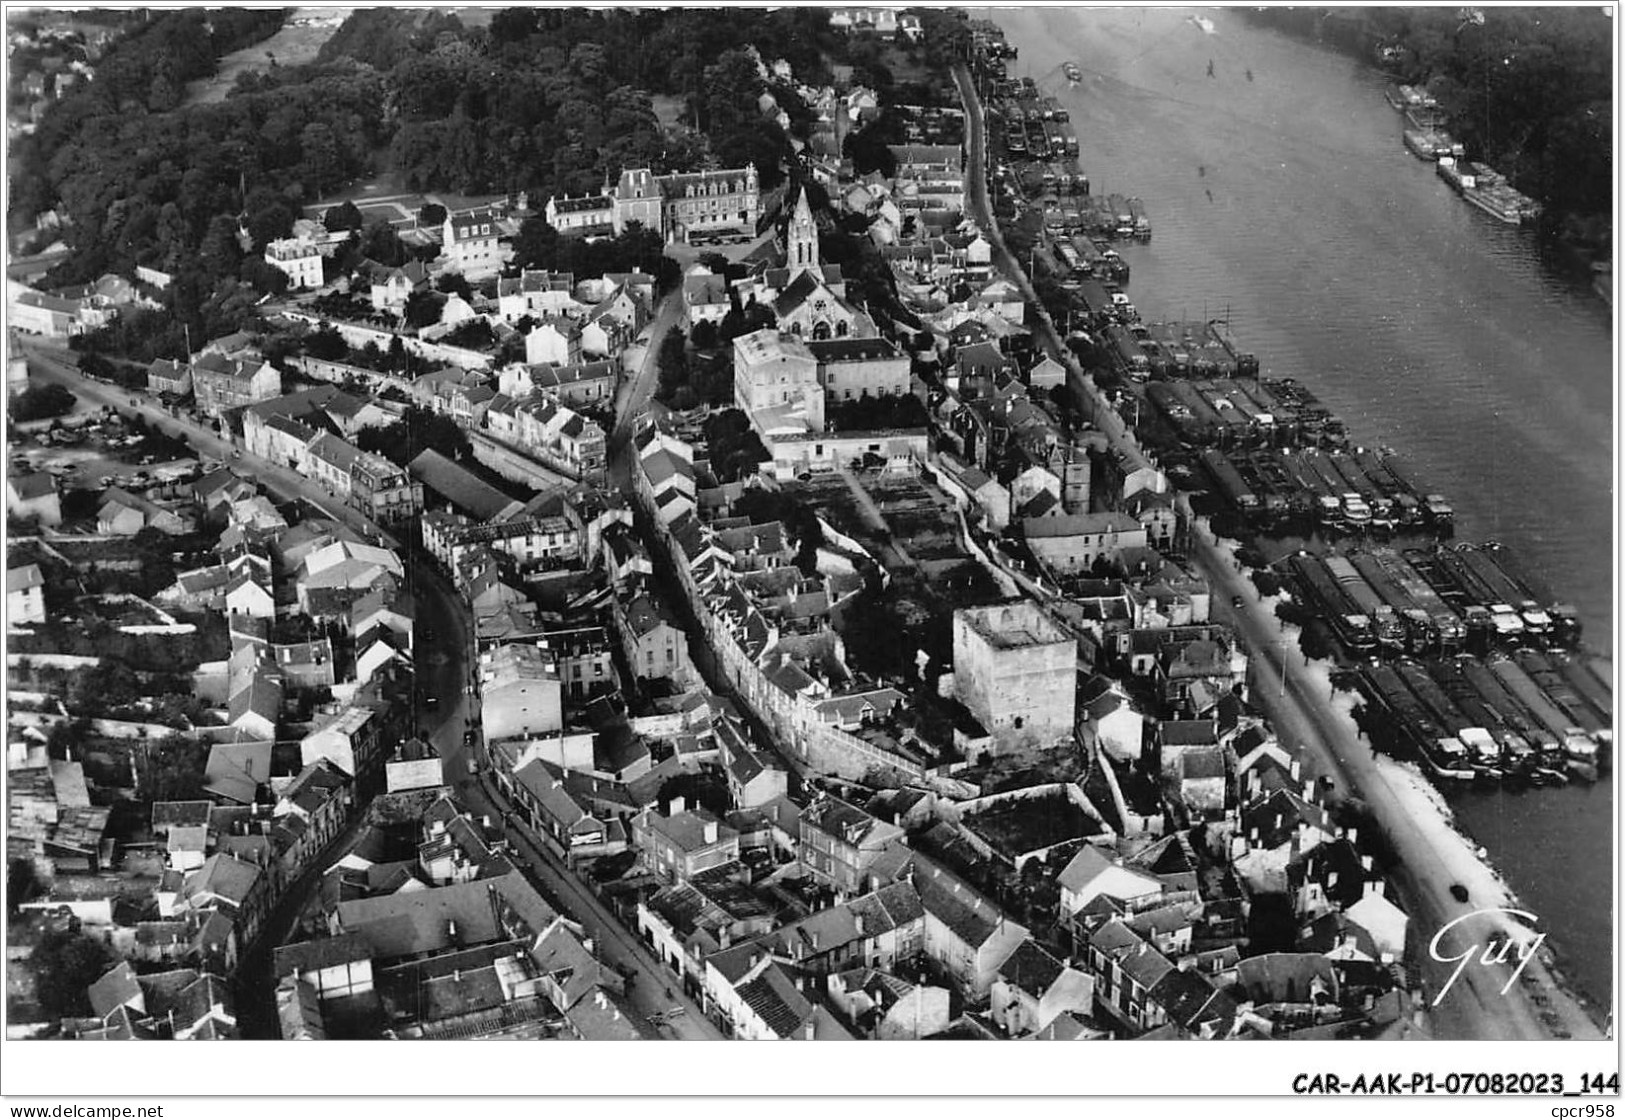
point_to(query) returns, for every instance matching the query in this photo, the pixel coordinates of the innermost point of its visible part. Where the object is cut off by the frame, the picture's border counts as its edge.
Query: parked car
(1458, 892)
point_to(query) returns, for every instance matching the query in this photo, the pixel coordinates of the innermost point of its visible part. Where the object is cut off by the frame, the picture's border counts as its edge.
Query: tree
(704, 335)
(65, 964)
(417, 431)
(537, 245)
(672, 364)
(22, 884)
(432, 214)
(325, 343)
(345, 216)
(423, 309)
(171, 769)
(39, 402)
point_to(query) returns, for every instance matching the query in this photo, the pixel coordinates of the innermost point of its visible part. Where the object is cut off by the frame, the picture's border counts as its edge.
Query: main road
(445, 673)
(1474, 1006)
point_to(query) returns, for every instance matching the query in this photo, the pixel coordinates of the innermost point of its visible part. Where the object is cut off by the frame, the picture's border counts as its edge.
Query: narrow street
(1331, 747)
(444, 650)
(447, 675)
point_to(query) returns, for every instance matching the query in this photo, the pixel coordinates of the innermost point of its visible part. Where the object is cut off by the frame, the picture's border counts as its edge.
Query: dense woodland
(1528, 90)
(541, 100)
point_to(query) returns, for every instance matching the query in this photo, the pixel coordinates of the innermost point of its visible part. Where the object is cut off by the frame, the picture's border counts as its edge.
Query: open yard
(1032, 823)
(301, 36)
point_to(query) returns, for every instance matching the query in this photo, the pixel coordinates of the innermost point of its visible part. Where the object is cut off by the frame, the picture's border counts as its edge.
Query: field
(294, 45)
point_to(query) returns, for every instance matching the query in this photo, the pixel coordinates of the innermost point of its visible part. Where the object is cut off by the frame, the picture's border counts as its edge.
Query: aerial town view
(822, 523)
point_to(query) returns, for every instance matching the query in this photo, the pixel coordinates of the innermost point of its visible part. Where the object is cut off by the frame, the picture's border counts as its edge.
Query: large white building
(776, 382)
(676, 206)
(520, 693)
(300, 261)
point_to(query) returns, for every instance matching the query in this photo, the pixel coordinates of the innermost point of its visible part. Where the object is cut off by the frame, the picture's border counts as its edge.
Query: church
(807, 296)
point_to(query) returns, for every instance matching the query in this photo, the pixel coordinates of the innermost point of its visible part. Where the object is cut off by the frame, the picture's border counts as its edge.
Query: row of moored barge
(1445, 599)
(1508, 717)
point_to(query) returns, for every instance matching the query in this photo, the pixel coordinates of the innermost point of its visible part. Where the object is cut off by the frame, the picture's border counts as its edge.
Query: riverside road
(1474, 1007)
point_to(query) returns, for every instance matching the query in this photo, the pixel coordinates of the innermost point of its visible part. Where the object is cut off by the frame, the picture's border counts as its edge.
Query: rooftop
(1014, 625)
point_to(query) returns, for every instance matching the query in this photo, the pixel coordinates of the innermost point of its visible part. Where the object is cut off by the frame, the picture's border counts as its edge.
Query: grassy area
(294, 45)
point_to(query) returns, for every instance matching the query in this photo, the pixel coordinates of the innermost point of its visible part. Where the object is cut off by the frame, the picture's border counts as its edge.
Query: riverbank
(1574, 240)
(1257, 247)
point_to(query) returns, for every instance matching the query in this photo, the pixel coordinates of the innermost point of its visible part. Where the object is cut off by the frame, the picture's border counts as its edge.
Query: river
(1285, 201)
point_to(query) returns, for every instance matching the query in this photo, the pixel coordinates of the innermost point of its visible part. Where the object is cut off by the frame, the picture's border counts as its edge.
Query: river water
(1288, 204)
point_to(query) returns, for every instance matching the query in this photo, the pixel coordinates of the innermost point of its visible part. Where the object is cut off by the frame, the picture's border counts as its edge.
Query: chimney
(1331, 880)
(677, 806)
(857, 921)
(807, 1030)
(710, 832)
(1365, 863)
(456, 976)
(1354, 837)
(600, 998)
(1308, 791)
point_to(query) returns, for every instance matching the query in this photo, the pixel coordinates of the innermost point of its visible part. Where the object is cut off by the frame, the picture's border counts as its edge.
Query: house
(34, 496)
(1073, 543)
(234, 888)
(44, 314)
(1109, 716)
(965, 933)
(520, 693)
(221, 383)
(255, 705)
(1047, 374)
(560, 815)
(537, 293)
(167, 376)
(350, 740)
(554, 340)
(883, 1006)
(838, 842)
(468, 242)
(25, 594)
(243, 593)
(1091, 874)
(309, 814)
(1155, 512)
(416, 765)
(390, 288)
(686, 843)
(299, 260)
(1033, 988)
(654, 640)
(754, 778)
(238, 771)
(756, 999)
(588, 383)
(705, 296)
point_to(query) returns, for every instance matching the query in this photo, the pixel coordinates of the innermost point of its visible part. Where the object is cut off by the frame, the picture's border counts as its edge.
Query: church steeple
(801, 240)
